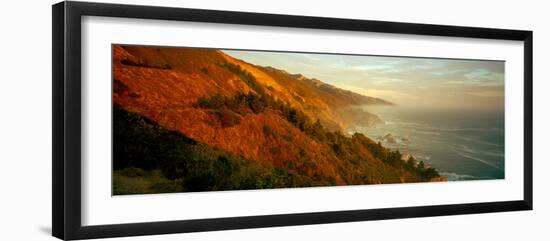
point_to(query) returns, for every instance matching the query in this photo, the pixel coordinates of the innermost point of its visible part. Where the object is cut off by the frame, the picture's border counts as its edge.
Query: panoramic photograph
(198, 119)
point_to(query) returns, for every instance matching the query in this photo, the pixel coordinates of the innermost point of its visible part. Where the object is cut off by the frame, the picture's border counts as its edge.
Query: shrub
(246, 76)
(228, 118)
(145, 64)
(204, 70)
(268, 131)
(260, 103)
(119, 87)
(150, 159)
(213, 102)
(132, 172)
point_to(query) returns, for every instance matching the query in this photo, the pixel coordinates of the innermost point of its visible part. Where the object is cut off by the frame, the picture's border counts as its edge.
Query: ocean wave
(478, 159)
(451, 176)
(402, 123)
(427, 132)
(478, 141)
(465, 148)
(436, 128)
(453, 129)
(424, 157)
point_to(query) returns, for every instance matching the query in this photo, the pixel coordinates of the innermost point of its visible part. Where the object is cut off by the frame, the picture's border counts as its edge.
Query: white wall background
(25, 122)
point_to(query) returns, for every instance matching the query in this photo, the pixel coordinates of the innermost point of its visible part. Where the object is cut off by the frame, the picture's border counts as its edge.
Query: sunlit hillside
(268, 128)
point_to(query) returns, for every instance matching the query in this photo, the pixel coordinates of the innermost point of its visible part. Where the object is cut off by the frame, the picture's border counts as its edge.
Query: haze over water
(449, 113)
(461, 145)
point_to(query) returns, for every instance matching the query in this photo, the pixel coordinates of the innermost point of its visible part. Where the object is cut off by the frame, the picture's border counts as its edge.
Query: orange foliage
(167, 96)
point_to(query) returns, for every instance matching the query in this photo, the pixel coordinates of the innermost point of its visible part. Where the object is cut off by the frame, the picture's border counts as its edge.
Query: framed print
(169, 120)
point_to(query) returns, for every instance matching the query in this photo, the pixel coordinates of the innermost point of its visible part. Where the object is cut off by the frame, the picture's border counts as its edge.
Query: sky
(415, 82)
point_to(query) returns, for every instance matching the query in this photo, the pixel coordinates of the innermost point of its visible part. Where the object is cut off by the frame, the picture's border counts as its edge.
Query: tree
(317, 130)
(430, 173)
(421, 165)
(411, 162)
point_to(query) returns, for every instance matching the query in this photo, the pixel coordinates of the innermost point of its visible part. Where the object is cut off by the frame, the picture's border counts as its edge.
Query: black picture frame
(66, 47)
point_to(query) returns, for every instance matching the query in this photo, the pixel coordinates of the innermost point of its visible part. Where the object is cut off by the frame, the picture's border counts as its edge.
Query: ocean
(461, 145)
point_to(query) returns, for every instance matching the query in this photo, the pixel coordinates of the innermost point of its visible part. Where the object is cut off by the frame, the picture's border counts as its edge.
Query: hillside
(249, 115)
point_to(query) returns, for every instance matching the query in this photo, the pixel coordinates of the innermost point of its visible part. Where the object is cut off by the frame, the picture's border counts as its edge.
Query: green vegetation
(244, 104)
(342, 145)
(145, 64)
(204, 70)
(258, 102)
(119, 87)
(227, 117)
(246, 76)
(150, 159)
(134, 180)
(394, 158)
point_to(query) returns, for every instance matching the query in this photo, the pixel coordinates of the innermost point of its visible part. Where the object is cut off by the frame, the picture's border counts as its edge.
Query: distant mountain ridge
(352, 97)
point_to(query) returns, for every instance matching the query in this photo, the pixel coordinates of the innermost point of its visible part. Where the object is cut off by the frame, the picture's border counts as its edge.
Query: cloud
(488, 93)
(382, 81)
(443, 72)
(391, 95)
(481, 75)
(403, 80)
(372, 67)
(474, 82)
